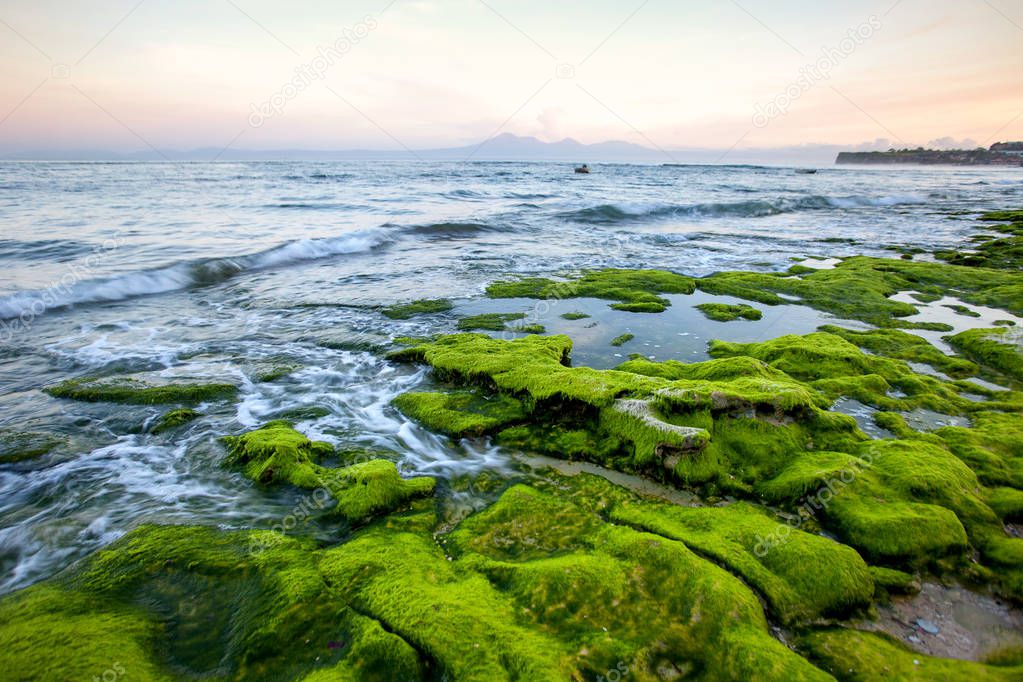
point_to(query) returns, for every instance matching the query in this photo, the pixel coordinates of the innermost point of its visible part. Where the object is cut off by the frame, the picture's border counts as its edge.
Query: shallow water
(216, 271)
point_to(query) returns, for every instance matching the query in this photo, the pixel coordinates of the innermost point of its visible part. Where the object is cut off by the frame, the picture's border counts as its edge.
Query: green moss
(635, 290)
(894, 581)
(18, 446)
(276, 453)
(561, 441)
(861, 656)
(133, 391)
(961, 310)
(194, 603)
(574, 316)
(618, 595)
(643, 307)
(406, 311)
(770, 556)
(622, 339)
(462, 414)
(91, 638)
(992, 447)
(175, 418)
(861, 287)
(276, 372)
(926, 326)
(985, 347)
(307, 413)
(838, 368)
(1006, 502)
(723, 312)
(1004, 323)
(530, 329)
(897, 344)
(371, 488)
(494, 322)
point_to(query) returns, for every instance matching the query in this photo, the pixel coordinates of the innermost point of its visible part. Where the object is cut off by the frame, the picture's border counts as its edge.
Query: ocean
(215, 271)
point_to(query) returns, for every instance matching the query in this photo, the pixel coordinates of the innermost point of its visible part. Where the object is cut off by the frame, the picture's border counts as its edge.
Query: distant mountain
(504, 147)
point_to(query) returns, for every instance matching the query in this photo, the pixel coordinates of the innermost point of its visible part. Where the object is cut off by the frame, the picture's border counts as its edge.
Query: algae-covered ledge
(802, 523)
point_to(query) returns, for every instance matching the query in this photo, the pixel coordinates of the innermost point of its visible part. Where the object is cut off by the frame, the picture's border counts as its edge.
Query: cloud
(952, 143)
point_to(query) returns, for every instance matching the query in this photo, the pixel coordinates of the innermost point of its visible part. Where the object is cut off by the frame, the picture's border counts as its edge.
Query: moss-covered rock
(836, 367)
(863, 656)
(771, 556)
(991, 348)
(176, 602)
(136, 392)
(461, 414)
(277, 453)
(494, 322)
(175, 418)
(861, 287)
(18, 446)
(901, 345)
(635, 290)
(724, 312)
(622, 339)
(407, 311)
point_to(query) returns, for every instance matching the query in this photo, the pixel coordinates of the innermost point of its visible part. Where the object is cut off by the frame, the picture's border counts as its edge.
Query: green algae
(961, 310)
(836, 367)
(19, 446)
(900, 345)
(619, 594)
(574, 316)
(276, 372)
(175, 418)
(737, 537)
(622, 340)
(133, 391)
(862, 656)
(723, 312)
(306, 413)
(407, 311)
(894, 581)
(462, 414)
(1006, 502)
(183, 602)
(861, 287)
(992, 251)
(562, 581)
(367, 489)
(497, 322)
(277, 453)
(985, 347)
(494, 322)
(634, 290)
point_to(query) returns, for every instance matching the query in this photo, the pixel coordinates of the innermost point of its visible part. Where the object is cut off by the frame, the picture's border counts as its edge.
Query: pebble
(927, 626)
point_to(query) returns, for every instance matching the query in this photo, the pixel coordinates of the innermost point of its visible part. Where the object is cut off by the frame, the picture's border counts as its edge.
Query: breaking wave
(607, 214)
(179, 276)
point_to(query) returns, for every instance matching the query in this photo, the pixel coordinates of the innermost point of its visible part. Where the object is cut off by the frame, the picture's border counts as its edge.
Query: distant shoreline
(931, 157)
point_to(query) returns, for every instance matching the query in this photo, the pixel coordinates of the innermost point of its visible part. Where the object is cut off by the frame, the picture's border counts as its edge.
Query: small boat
(806, 171)
(582, 169)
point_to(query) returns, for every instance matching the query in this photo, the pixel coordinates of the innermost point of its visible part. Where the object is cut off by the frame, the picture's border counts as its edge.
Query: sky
(125, 75)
